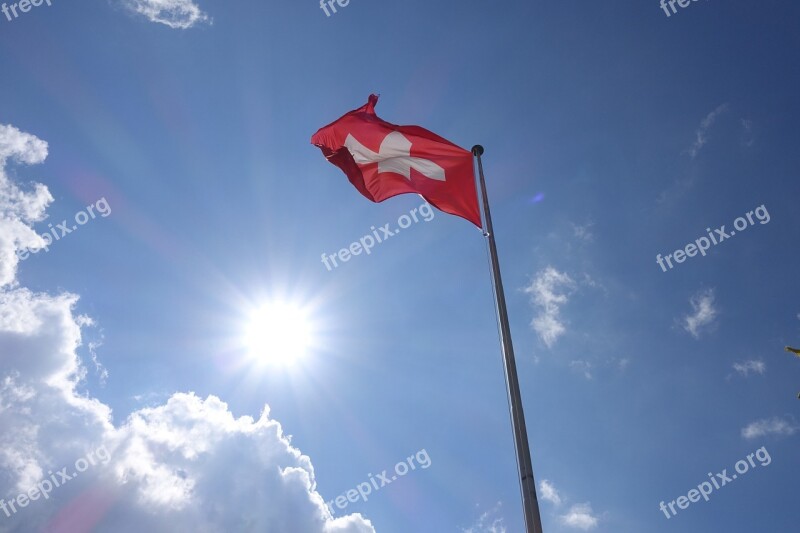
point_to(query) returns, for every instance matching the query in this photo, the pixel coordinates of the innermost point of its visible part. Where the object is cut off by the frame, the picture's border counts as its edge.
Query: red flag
(383, 160)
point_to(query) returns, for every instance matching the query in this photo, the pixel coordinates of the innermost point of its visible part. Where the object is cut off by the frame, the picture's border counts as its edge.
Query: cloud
(583, 232)
(186, 465)
(582, 366)
(580, 516)
(192, 462)
(179, 14)
(753, 365)
(702, 131)
(589, 281)
(549, 493)
(703, 314)
(770, 426)
(488, 522)
(550, 290)
(747, 133)
(19, 208)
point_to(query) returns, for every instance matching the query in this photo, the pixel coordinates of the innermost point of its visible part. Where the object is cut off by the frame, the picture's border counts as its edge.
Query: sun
(278, 333)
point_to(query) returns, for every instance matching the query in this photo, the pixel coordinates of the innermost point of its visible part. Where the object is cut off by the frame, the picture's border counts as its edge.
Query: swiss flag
(383, 160)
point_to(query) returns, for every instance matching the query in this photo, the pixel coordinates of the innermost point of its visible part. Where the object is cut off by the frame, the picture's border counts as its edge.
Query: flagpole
(530, 503)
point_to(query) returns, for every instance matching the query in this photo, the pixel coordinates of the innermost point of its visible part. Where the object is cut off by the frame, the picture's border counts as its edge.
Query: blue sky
(613, 133)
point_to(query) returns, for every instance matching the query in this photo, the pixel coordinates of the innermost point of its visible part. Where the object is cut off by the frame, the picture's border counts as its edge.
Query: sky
(163, 217)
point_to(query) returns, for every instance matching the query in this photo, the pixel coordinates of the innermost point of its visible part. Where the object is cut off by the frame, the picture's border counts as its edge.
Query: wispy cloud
(676, 190)
(584, 367)
(101, 370)
(747, 133)
(757, 366)
(703, 313)
(550, 290)
(589, 281)
(770, 426)
(488, 522)
(178, 14)
(580, 516)
(595, 366)
(701, 135)
(583, 232)
(548, 492)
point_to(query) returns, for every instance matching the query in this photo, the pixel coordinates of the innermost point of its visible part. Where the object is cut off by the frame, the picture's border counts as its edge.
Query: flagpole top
(477, 150)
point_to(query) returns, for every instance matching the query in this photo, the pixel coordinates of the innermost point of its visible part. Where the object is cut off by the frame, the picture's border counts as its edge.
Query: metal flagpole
(530, 503)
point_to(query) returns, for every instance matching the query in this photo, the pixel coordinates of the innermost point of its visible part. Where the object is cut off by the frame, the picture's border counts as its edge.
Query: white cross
(394, 156)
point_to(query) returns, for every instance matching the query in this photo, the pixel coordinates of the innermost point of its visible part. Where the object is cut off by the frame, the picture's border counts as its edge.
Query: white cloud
(584, 367)
(589, 281)
(702, 131)
(747, 133)
(676, 190)
(549, 493)
(756, 366)
(703, 313)
(584, 232)
(770, 426)
(19, 208)
(488, 522)
(192, 462)
(550, 290)
(186, 465)
(580, 516)
(180, 14)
